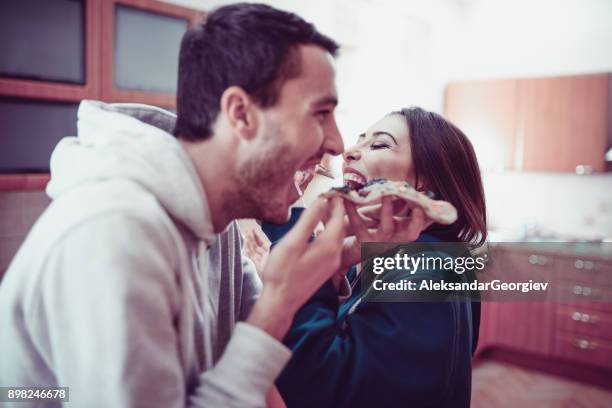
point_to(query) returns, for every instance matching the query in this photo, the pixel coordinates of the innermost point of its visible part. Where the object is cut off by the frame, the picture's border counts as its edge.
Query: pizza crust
(372, 193)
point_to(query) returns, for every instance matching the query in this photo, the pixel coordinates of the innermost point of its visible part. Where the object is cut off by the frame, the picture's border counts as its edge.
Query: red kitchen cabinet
(562, 123)
(571, 335)
(527, 326)
(522, 325)
(486, 112)
(541, 124)
(584, 349)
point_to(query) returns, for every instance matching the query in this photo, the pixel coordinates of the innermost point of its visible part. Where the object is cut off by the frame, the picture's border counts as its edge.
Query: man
(129, 286)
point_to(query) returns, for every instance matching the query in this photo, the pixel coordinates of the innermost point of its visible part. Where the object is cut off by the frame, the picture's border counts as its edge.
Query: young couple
(131, 288)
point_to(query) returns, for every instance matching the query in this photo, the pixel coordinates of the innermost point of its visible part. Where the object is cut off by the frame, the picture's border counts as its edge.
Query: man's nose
(333, 141)
(351, 154)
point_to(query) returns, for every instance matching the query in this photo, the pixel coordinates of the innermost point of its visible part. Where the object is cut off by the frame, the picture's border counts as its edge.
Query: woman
(354, 353)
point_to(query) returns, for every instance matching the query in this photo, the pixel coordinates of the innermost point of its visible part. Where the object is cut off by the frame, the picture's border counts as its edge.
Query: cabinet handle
(534, 259)
(583, 344)
(584, 291)
(581, 264)
(584, 318)
(583, 169)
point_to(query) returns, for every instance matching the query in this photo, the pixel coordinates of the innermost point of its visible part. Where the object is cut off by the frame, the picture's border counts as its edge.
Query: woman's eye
(379, 146)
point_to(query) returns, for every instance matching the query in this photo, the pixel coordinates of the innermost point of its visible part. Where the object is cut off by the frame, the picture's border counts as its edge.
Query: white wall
(400, 53)
(527, 38)
(566, 205)
(403, 52)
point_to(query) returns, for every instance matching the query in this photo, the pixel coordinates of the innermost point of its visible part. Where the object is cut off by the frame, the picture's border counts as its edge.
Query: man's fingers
(327, 248)
(248, 242)
(348, 228)
(258, 239)
(300, 234)
(334, 225)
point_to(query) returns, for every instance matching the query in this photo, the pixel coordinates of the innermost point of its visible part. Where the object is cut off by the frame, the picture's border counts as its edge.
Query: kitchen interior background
(400, 53)
(396, 54)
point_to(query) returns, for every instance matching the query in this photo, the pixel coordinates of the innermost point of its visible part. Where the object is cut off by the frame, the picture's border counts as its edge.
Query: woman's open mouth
(354, 180)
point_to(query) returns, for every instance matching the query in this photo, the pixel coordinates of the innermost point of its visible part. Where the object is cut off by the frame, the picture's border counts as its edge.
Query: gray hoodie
(122, 291)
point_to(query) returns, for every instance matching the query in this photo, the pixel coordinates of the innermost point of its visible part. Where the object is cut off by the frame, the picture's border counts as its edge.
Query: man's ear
(241, 112)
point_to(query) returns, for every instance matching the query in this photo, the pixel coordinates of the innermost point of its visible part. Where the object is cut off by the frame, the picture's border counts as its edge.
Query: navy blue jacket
(381, 354)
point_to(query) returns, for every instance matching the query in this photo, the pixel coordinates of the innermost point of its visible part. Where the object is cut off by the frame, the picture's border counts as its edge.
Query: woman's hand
(301, 180)
(389, 228)
(257, 248)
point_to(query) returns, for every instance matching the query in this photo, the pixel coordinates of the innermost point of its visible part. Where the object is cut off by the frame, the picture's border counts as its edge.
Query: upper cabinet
(140, 50)
(486, 111)
(56, 53)
(563, 122)
(557, 124)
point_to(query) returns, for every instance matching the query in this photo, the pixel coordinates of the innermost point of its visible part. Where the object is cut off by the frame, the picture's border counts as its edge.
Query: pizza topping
(342, 190)
(373, 191)
(376, 181)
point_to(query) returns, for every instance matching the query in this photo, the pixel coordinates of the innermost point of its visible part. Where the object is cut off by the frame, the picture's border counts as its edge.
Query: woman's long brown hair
(445, 163)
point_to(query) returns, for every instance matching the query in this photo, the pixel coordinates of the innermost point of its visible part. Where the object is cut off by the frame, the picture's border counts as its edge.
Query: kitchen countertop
(601, 251)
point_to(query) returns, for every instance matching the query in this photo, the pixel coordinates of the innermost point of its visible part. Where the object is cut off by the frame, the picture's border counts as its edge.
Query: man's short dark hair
(252, 46)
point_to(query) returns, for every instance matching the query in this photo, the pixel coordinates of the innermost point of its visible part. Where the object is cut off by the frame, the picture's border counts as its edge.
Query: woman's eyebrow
(385, 133)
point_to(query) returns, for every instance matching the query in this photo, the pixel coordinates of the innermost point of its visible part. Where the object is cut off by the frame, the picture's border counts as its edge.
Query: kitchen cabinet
(573, 328)
(541, 124)
(486, 112)
(520, 325)
(84, 49)
(517, 323)
(563, 122)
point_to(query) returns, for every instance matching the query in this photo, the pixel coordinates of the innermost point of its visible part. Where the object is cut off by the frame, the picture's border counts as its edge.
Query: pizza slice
(405, 197)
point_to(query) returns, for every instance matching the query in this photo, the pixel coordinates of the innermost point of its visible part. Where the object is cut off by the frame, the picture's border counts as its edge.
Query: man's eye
(375, 146)
(322, 114)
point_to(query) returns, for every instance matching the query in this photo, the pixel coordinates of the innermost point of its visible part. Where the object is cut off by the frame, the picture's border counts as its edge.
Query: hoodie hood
(132, 142)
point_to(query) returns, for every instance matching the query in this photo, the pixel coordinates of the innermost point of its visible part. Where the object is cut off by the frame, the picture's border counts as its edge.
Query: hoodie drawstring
(201, 307)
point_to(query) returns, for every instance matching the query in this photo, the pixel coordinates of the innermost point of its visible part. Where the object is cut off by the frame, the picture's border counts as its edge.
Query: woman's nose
(351, 155)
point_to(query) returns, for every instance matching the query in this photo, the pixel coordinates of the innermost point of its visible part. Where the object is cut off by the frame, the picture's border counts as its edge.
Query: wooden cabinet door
(486, 112)
(488, 326)
(562, 123)
(526, 326)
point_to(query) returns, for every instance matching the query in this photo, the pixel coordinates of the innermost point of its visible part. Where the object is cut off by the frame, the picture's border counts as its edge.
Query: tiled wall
(18, 212)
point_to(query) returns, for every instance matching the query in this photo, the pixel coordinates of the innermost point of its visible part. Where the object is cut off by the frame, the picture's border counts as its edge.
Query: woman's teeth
(354, 180)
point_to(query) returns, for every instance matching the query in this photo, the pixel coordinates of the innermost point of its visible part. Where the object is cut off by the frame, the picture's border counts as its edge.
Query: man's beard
(262, 181)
